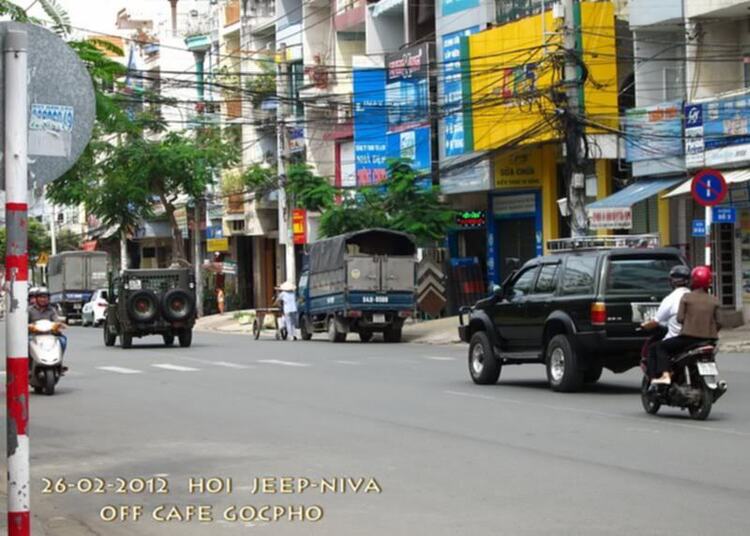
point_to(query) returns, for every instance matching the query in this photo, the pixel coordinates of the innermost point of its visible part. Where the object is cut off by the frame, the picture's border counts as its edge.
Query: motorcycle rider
(699, 315)
(42, 310)
(666, 315)
(33, 291)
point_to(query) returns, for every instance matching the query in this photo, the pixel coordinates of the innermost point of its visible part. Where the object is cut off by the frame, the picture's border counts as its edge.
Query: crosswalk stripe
(284, 363)
(177, 368)
(230, 365)
(439, 358)
(120, 370)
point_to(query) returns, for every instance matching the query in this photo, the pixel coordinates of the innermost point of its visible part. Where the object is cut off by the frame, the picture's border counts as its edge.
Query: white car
(95, 310)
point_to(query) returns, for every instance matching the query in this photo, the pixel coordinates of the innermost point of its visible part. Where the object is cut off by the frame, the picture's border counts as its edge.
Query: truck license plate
(708, 369)
(378, 319)
(76, 306)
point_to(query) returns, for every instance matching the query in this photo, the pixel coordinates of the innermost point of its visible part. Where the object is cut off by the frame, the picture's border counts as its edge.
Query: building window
(238, 226)
(674, 85)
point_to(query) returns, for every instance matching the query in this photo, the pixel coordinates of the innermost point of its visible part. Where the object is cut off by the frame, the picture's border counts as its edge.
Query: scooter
(695, 381)
(45, 356)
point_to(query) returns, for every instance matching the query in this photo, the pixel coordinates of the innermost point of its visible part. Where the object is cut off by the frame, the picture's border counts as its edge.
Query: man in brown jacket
(699, 316)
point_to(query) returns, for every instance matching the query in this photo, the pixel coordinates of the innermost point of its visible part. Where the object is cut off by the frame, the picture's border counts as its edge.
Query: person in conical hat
(288, 301)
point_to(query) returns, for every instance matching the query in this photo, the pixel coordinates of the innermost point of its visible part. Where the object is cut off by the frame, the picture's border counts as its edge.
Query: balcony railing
(232, 13)
(349, 13)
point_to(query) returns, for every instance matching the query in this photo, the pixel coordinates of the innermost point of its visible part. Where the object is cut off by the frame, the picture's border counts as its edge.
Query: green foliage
(260, 180)
(67, 240)
(57, 14)
(14, 11)
(400, 203)
(39, 241)
(232, 182)
(308, 190)
(262, 85)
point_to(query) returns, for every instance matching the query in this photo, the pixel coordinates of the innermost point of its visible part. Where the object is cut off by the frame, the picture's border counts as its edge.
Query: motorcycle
(45, 356)
(695, 381)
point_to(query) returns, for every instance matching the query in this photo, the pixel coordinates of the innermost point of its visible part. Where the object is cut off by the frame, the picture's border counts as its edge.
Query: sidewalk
(441, 331)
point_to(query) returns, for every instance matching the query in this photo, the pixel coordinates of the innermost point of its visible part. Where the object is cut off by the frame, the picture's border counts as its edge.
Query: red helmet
(701, 277)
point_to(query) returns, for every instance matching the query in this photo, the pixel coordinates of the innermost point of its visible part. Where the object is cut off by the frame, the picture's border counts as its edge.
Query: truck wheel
(304, 329)
(365, 336)
(126, 340)
(593, 373)
(334, 335)
(563, 369)
(186, 337)
(168, 339)
(109, 337)
(484, 367)
(391, 334)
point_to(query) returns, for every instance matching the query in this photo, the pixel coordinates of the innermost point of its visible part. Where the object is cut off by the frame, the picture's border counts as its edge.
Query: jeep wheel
(168, 339)
(593, 373)
(365, 336)
(563, 370)
(186, 337)
(484, 367)
(126, 340)
(109, 336)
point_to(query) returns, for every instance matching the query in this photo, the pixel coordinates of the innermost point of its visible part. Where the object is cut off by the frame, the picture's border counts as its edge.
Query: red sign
(299, 225)
(708, 188)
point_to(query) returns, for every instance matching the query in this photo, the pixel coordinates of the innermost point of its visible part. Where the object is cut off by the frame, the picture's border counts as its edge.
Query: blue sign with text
(725, 215)
(699, 228)
(370, 126)
(453, 91)
(456, 6)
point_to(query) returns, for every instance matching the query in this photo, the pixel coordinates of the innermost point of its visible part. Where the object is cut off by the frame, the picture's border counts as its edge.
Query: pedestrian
(287, 299)
(220, 300)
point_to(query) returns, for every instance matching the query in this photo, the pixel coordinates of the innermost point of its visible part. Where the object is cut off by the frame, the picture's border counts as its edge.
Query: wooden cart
(259, 323)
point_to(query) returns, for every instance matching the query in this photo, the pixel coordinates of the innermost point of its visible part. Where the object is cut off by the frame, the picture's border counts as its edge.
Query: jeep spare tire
(142, 306)
(177, 305)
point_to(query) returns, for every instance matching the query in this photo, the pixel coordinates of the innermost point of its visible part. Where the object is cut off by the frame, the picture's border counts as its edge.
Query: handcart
(260, 323)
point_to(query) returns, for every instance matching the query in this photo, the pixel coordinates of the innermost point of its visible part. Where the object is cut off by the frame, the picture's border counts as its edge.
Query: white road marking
(177, 368)
(230, 365)
(120, 370)
(470, 395)
(284, 363)
(439, 358)
(344, 362)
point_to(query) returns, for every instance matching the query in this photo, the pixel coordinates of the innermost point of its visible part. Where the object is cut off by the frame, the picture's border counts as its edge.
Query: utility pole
(52, 229)
(573, 129)
(285, 228)
(15, 51)
(123, 250)
(197, 261)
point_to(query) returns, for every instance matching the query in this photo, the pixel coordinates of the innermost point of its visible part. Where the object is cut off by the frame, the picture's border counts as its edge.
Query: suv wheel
(186, 337)
(126, 340)
(484, 367)
(593, 373)
(110, 336)
(563, 369)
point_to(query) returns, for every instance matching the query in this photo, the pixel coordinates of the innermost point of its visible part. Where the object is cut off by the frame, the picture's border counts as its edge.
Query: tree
(401, 203)
(67, 240)
(39, 241)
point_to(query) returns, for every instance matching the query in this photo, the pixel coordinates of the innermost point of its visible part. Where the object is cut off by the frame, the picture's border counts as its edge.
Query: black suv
(151, 302)
(576, 311)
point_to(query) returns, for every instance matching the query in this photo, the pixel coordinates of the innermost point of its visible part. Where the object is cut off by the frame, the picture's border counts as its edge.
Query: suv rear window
(578, 277)
(626, 275)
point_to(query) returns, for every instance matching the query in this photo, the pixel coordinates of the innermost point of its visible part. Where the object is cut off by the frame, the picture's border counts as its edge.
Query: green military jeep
(150, 302)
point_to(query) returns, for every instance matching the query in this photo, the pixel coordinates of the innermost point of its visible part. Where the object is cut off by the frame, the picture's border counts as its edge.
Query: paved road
(451, 458)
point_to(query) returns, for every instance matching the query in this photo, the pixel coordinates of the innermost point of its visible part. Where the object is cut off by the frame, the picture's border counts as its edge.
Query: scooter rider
(43, 311)
(699, 315)
(666, 315)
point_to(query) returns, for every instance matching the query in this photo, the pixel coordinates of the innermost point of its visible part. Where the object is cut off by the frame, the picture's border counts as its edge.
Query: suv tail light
(598, 314)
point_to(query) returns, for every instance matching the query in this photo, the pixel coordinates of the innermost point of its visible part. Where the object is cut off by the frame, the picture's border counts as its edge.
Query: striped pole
(16, 277)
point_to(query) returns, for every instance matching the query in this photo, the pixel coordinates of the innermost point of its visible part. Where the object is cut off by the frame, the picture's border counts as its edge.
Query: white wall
(656, 60)
(713, 72)
(385, 33)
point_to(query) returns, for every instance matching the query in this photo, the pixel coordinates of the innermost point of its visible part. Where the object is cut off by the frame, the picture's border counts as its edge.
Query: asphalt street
(436, 454)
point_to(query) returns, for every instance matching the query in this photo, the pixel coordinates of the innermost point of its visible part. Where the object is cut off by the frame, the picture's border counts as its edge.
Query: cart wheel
(256, 329)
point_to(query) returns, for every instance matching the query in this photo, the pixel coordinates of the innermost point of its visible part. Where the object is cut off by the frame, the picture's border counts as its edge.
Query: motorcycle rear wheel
(650, 404)
(701, 411)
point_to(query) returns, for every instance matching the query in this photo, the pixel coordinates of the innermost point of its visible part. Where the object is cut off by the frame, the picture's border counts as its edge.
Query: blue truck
(362, 282)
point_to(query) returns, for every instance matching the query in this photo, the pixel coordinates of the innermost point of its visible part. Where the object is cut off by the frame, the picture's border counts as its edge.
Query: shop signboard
(370, 125)
(455, 6)
(610, 218)
(453, 91)
(214, 245)
(474, 177)
(519, 169)
(299, 225)
(654, 132)
(471, 219)
(717, 132)
(413, 146)
(694, 146)
(407, 92)
(509, 206)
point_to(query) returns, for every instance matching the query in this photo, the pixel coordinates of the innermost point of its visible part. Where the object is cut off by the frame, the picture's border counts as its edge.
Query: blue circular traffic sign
(708, 188)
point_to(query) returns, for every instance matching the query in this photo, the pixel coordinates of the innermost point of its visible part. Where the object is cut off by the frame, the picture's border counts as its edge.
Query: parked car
(151, 302)
(95, 310)
(576, 311)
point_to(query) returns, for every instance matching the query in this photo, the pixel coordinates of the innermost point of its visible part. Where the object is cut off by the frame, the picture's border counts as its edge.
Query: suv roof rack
(584, 243)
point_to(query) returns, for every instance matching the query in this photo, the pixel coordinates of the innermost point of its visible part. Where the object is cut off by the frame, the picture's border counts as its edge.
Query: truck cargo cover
(329, 254)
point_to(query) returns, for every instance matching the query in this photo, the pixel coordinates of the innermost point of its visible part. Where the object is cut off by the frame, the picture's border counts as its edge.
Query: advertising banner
(414, 146)
(653, 132)
(370, 125)
(455, 6)
(299, 225)
(453, 92)
(718, 132)
(407, 92)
